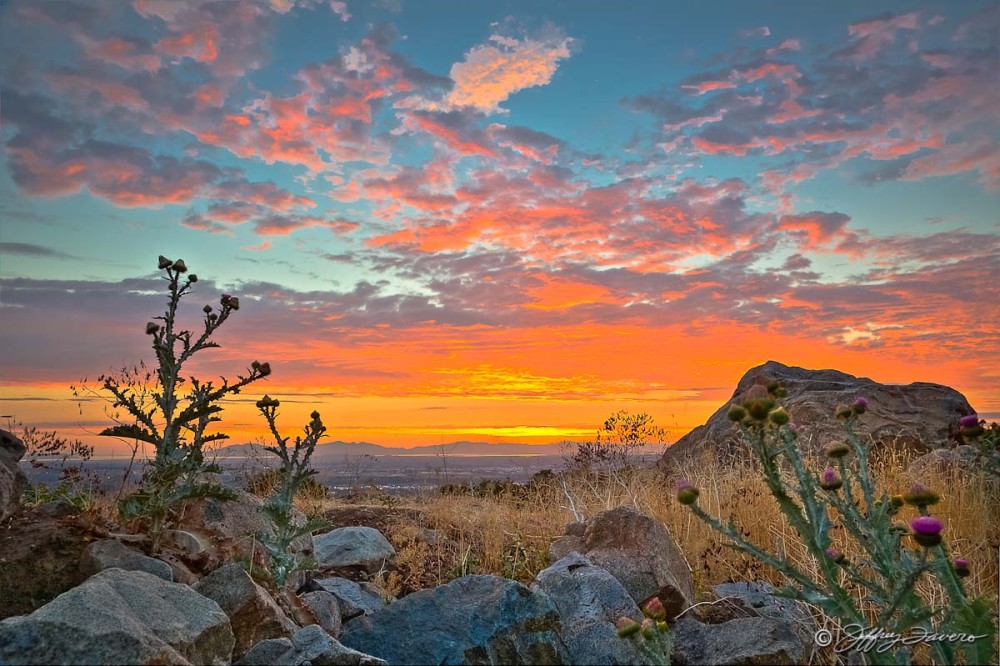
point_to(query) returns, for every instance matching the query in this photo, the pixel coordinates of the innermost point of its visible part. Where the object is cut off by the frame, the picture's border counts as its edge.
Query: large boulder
(13, 482)
(589, 600)
(920, 416)
(735, 600)
(120, 617)
(640, 553)
(755, 640)
(310, 646)
(471, 620)
(324, 609)
(113, 554)
(253, 614)
(353, 547)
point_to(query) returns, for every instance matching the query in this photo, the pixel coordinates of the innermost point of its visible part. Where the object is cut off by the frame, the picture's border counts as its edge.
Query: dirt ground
(39, 558)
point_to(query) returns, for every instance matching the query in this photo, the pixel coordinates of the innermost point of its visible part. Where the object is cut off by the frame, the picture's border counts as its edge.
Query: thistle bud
(267, 401)
(314, 416)
(192, 278)
(920, 495)
(836, 556)
(830, 480)
(164, 262)
(736, 413)
(838, 450)
(844, 411)
(961, 567)
(207, 309)
(152, 327)
(255, 365)
(264, 369)
(686, 493)
(648, 629)
(777, 390)
(860, 405)
(180, 266)
(234, 303)
(224, 299)
(779, 416)
(654, 609)
(627, 627)
(900, 529)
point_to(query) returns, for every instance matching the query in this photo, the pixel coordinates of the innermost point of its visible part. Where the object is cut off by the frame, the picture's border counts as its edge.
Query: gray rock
(253, 614)
(363, 547)
(109, 554)
(758, 640)
(589, 600)
(325, 609)
(13, 482)
(639, 551)
(354, 599)
(58, 508)
(120, 617)
(921, 415)
(471, 620)
(565, 545)
(757, 600)
(226, 528)
(576, 528)
(310, 646)
(961, 459)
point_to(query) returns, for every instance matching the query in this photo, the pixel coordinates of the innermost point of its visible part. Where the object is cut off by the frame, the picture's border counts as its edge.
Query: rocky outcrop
(642, 555)
(589, 601)
(921, 416)
(747, 600)
(353, 547)
(253, 614)
(962, 459)
(353, 599)
(120, 617)
(112, 554)
(310, 646)
(13, 483)
(325, 609)
(471, 620)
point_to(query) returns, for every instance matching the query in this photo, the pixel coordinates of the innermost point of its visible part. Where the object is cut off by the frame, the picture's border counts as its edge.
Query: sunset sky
(499, 221)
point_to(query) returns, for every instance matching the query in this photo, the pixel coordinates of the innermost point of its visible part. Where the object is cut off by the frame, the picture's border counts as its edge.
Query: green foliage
(45, 449)
(175, 422)
(888, 571)
(293, 475)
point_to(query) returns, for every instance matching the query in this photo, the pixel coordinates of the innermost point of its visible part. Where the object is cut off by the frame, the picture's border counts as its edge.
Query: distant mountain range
(337, 450)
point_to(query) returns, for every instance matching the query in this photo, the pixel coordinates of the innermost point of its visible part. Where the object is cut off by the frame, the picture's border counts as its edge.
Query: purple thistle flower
(961, 563)
(927, 525)
(832, 554)
(970, 421)
(830, 480)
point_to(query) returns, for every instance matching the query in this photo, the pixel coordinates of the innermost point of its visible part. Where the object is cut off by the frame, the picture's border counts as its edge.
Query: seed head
(314, 416)
(192, 278)
(264, 369)
(267, 401)
(180, 266)
(164, 262)
(920, 495)
(686, 493)
(152, 327)
(207, 309)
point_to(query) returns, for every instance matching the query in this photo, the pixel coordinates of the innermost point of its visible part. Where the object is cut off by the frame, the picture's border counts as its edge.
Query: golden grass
(509, 535)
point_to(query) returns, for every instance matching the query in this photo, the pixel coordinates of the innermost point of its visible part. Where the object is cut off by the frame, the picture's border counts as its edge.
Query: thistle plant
(176, 422)
(894, 556)
(651, 637)
(293, 473)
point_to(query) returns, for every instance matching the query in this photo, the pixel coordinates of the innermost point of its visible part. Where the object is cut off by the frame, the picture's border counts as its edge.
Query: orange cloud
(492, 72)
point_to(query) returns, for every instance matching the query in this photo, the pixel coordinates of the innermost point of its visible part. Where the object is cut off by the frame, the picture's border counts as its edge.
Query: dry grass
(509, 535)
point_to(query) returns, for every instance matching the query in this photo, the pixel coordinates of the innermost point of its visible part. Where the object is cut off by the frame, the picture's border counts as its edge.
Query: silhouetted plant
(176, 425)
(887, 571)
(292, 476)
